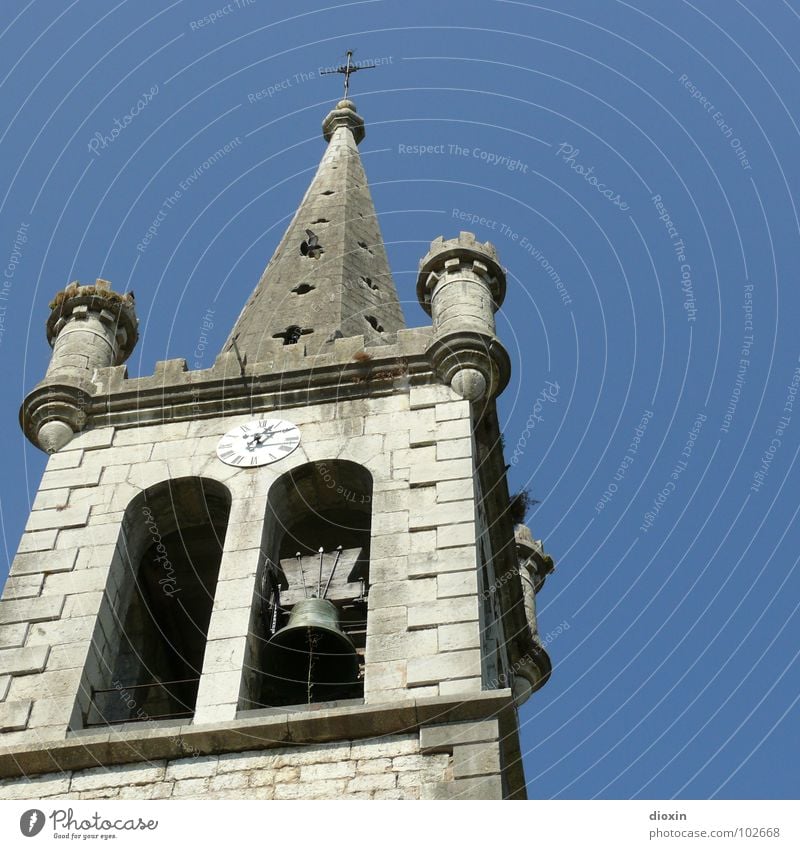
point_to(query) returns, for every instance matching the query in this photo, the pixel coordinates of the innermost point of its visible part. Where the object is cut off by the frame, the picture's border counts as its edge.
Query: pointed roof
(329, 277)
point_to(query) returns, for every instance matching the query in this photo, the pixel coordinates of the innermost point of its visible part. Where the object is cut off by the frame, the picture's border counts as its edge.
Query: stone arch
(147, 650)
(320, 504)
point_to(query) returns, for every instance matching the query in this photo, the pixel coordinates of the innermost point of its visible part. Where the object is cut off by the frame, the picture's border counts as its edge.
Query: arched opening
(149, 642)
(315, 546)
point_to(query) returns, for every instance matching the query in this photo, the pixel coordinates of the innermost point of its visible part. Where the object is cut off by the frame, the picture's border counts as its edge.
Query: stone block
(230, 781)
(441, 470)
(23, 586)
(61, 632)
(421, 541)
(443, 612)
(5, 683)
(461, 687)
(73, 538)
(331, 789)
(12, 636)
(447, 513)
(117, 776)
(385, 747)
(31, 609)
(219, 688)
(78, 581)
(451, 449)
(82, 476)
(401, 593)
(232, 622)
(461, 489)
(486, 788)
(443, 667)
(235, 593)
(368, 783)
(452, 410)
(465, 635)
(476, 759)
(243, 535)
(455, 536)
(14, 715)
(37, 541)
(65, 460)
(390, 523)
(454, 584)
(43, 561)
(402, 646)
(388, 569)
(40, 787)
(224, 655)
(389, 675)
(191, 788)
(430, 395)
(202, 767)
(455, 429)
(89, 440)
(321, 772)
(50, 498)
(389, 620)
(438, 738)
(447, 560)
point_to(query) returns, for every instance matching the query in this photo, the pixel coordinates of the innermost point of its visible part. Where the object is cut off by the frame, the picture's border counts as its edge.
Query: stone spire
(329, 276)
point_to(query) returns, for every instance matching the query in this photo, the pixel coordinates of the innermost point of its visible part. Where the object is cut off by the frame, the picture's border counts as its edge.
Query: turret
(461, 285)
(90, 327)
(534, 567)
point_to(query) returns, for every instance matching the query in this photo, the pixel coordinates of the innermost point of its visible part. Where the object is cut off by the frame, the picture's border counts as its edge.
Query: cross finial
(347, 69)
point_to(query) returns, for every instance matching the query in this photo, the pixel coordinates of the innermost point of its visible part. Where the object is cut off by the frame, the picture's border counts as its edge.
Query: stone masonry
(447, 637)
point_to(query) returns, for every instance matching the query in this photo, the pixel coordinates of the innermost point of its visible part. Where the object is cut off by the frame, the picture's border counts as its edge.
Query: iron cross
(348, 69)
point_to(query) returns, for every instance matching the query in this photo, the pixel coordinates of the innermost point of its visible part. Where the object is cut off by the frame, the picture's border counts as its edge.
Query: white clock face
(258, 442)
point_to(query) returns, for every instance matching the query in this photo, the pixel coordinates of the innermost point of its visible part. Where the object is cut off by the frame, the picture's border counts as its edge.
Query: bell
(311, 659)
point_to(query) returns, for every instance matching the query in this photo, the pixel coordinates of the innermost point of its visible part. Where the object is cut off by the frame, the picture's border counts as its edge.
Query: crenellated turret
(534, 567)
(461, 285)
(89, 328)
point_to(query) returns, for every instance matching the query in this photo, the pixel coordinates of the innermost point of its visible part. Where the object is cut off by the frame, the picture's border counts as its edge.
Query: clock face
(258, 442)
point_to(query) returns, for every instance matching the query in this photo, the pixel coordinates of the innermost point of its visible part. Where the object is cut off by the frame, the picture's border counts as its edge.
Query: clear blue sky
(634, 164)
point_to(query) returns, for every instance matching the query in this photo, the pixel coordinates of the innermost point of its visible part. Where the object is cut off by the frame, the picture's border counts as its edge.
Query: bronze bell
(311, 659)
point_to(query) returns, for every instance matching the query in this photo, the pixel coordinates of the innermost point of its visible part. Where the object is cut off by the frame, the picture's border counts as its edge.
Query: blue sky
(636, 166)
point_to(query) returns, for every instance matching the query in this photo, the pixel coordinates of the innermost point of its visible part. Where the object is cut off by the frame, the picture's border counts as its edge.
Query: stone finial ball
(469, 383)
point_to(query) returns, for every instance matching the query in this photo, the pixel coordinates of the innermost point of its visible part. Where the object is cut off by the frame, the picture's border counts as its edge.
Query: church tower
(295, 574)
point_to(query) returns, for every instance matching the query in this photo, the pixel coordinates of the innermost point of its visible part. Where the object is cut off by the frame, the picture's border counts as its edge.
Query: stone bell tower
(295, 574)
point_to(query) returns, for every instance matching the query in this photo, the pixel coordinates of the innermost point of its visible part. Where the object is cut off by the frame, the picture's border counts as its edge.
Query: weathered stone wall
(392, 769)
(423, 631)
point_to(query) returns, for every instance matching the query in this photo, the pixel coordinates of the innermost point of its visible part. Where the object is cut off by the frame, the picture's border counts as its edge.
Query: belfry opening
(308, 627)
